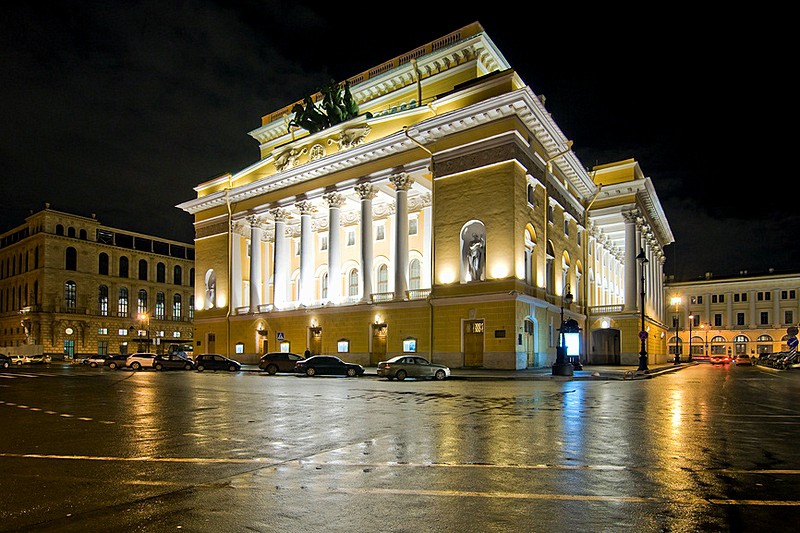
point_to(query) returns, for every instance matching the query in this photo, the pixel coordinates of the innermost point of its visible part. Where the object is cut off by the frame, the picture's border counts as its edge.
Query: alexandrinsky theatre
(429, 205)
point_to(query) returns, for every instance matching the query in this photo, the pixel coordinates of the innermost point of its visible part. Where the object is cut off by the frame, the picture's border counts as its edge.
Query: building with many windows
(439, 210)
(71, 286)
(743, 314)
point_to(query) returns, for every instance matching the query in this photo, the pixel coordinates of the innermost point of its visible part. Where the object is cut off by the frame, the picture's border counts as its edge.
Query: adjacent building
(70, 286)
(742, 314)
(446, 216)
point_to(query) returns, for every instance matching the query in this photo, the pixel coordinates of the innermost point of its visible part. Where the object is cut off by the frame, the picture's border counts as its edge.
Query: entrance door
(211, 343)
(378, 352)
(606, 347)
(69, 349)
(473, 343)
(529, 345)
(315, 342)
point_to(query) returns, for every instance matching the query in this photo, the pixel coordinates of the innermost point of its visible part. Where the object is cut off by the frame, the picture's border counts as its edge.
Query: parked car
(743, 359)
(329, 365)
(5, 361)
(411, 366)
(717, 359)
(18, 359)
(137, 361)
(95, 360)
(275, 362)
(172, 361)
(213, 361)
(116, 361)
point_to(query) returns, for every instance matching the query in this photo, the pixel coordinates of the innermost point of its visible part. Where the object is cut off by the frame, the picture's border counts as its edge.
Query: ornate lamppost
(691, 319)
(561, 367)
(642, 259)
(676, 302)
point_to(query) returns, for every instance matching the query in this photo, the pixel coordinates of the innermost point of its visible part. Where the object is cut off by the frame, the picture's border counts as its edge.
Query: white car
(95, 360)
(29, 359)
(137, 361)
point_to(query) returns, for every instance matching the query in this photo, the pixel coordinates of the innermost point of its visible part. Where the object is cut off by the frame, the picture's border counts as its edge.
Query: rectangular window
(102, 347)
(323, 242)
(351, 237)
(744, 296)
(343, 346)
(122, 332)
(566, 228)
(736, 297)
(764, 317)
(693, 299)
(551, 213)
(412, 226)
(176, 334)
(380, 231)
(713, 298)
(699, 299)
(102, 331)
(760, 296)
(722, 298)
(788, 317)
(740, 319)
(717, 320)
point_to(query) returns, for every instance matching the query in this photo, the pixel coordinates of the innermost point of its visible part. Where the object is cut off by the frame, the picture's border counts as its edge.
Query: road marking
(198, 460)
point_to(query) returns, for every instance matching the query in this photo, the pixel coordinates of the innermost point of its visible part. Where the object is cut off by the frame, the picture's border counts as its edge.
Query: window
(70, 259)
(143, 269)
(351, 237)
(380, 231)
(71, 232)
(788, 317)
(122, 332)
(191, 307)
(414, 275)
(239, 347)
(352, 283)
(343, 346)
(736, 297)
(717, 320)
(323, 242)
(102, 264)
(410, 345)
(764, 316)
(141, 302)
(551, 213)
(122, 303)
(566, 228)
(531, 197)
(161, 273)
(102, 331)
(740, 319)
(160, 306)
(285, 347)
(123, 267)
(177, 275)
(102, 347)
(699, 299)
(744, 296)
(766, 295)
(383, 278)
(788, 295)
(70, 297)
(176, 307)
(324, 286)
(102, 300)
(412, 226)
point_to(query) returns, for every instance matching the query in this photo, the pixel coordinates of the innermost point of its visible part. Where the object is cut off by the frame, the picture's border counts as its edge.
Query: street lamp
(561, 367)
(707, 327)
(643, 333)
(691, 319)
(676, 301)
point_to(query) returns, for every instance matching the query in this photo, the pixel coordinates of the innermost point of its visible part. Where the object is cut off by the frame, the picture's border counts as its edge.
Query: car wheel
(187, 367)
(310, 371)
(401, 375)
(5, 364)
(272, 370)
(93, 365)
(351, 372)
(200, 368)
(159, 367)
(232, 368)
(440, 374)
(136, 366)
(112, 366)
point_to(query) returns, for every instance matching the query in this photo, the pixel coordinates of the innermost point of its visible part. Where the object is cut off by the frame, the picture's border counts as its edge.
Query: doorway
(378, 351)
(473, 342)
(605, 347)
(315, 340)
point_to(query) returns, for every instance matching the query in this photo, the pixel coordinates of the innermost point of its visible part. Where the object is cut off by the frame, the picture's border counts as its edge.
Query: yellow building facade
(447, 217)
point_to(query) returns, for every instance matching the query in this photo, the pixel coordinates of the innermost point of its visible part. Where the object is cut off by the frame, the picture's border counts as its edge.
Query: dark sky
(121, 108)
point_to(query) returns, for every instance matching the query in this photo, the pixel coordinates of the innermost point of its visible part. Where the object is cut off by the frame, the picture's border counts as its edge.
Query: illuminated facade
(71, 286)
(745, 314)
(448, 218)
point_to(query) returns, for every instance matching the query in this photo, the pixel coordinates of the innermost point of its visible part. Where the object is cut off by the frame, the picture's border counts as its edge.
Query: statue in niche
(475, 257)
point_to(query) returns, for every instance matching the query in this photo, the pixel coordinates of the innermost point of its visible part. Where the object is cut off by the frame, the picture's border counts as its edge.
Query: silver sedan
(411, 366)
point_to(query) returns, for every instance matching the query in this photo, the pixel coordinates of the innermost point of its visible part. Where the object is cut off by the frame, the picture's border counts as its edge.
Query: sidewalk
(589, 372)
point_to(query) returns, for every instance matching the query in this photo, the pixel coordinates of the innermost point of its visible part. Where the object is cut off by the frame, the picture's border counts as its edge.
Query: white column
(306, 291)
(776, 309)
(235, 299)
(402, 183)
(366, 192)
(255, 263)
(280, 273)
(335, 202)
(631, 250)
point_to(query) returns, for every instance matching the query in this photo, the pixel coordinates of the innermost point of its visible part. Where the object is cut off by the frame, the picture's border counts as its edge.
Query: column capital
(631, 216)
(280, 214)
(402, 181)
(254, 221)
(366, 191)
(334, 199)
(305, 207)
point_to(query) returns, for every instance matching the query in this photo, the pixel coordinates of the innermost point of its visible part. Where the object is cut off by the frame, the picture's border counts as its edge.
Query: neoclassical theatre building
(438, 210)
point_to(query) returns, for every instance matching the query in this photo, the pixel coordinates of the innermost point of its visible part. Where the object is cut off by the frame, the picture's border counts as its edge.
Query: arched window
(529, 257)
(141, 302)
(143, 269)
(102, 264)
(352, 283)
(414, 275)
(191, 307)
(177, 276)
(123, 267)
(70, 295)
(161, 273)
(71, 232)
(383, 278)
(59, 229)
(71, 259)
(122, 303)
(176, 307)
(102, 300)
(324, 285)
(36, 257)
(191, 277)
(531, 197)
(160, 304)
(83, 234)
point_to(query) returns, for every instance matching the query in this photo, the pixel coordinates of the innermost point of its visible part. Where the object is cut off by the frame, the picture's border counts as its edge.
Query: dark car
(327, 365)
(213, 361)
(274, 362)
(5, 361)
(116, 361)
(169, 361)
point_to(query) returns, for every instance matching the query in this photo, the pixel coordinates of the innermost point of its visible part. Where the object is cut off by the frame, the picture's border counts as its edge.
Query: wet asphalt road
(708, 448)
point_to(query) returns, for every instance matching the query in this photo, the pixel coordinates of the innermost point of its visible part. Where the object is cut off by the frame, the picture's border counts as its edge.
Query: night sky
(121, 108)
